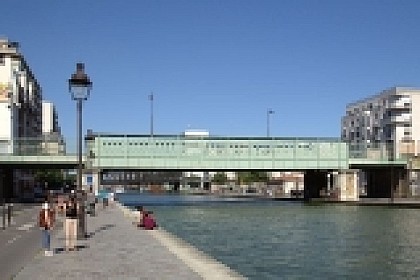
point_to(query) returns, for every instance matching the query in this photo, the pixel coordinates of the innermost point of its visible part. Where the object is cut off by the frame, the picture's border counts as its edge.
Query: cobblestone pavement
(115, 250)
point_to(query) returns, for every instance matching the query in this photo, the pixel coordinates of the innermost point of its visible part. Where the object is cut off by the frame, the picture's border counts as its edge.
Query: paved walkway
(19, 241)
(118, 250)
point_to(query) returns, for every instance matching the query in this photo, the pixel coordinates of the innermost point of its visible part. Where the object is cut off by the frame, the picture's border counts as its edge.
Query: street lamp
(80, 87)
(269, 112)
(151, 114)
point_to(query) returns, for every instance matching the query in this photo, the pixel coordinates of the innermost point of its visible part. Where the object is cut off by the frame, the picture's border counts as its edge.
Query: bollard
(4, 215)
(9, 213)
(92, 209)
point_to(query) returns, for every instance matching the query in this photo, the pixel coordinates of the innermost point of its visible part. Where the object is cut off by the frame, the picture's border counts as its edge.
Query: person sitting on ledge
(149, 221)
(140, 221)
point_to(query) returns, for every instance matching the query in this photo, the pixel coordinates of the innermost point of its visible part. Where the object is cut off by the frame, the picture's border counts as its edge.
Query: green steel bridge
(168, 152)
(325, 161)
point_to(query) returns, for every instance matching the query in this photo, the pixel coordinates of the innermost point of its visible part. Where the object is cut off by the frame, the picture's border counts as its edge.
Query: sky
(216, 65)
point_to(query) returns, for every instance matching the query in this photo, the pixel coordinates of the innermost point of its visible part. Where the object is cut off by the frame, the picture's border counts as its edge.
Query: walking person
(71, 224)
(46, 223)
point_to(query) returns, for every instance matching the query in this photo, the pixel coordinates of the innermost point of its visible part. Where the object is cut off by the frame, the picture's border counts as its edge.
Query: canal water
(291, 240)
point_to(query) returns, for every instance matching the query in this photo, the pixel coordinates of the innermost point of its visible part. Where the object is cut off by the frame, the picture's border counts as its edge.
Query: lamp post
(151, 114)
(269, 112)
(80, 87)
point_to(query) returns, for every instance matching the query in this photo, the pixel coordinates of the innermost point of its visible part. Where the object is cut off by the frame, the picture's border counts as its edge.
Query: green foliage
(251, 177)
(53, 177)
(219, 178)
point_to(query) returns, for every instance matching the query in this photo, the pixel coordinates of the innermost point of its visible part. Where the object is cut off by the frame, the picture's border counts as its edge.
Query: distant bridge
(320, 158)
(207, 153)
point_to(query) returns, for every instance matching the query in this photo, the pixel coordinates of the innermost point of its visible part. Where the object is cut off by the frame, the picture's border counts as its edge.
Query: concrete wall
(348, 185)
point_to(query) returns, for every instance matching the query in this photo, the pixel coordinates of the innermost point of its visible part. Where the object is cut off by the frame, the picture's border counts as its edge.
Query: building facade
(27, 125)
(20, 101)
(53, 141)
(385, 125)
(20, 114)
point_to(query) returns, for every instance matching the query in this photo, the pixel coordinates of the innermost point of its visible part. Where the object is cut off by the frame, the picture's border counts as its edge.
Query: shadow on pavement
(61, 250)
(102, 228)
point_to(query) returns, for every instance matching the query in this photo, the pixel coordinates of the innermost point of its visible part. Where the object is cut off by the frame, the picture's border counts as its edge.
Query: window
(2, 60)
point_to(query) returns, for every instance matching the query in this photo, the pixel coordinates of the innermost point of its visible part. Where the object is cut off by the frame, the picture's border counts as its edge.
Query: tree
(53, 177)
(219, 178)
(252, 176)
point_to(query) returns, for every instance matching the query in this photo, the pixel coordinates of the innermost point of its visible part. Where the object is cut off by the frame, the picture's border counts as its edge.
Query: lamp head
(79, 83)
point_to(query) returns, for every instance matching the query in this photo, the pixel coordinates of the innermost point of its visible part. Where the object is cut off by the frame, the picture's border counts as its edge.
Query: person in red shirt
(46, 223)
(149, 221)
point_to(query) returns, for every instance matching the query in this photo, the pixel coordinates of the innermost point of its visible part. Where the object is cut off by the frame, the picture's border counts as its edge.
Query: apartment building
(385, 125)
(28, 126)
(20, 113)
(20, 100)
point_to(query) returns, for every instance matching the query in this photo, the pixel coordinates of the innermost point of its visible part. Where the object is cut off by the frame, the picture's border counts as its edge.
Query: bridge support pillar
(414, 181)
(402, 184)
(346, 185)
(95, 173)
(414, 176)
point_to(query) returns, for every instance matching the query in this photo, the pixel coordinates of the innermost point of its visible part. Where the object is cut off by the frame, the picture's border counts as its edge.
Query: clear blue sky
(217, 65)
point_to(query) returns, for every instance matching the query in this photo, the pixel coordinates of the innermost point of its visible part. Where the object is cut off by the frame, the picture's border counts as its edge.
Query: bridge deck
(212, 153)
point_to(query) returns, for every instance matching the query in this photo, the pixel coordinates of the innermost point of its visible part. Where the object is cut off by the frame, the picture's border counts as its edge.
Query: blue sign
(89, 180)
